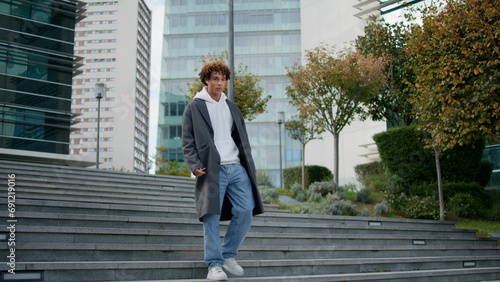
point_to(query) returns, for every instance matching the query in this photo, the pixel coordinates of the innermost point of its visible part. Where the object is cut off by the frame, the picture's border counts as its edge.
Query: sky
(158, 8)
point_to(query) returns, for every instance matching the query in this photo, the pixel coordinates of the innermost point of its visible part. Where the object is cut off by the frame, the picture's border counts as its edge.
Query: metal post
(280, 118)
(98, 130)
(100, 91)
(230, 86)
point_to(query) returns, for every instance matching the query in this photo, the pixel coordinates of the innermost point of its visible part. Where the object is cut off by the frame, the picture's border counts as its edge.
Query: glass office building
(36, 69)
(267, 39)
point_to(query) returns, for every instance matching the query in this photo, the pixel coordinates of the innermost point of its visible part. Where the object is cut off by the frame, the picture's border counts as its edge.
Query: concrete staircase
(75, 224)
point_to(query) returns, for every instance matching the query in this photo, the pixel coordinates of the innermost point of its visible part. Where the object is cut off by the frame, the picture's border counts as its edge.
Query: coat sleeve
(188, 140)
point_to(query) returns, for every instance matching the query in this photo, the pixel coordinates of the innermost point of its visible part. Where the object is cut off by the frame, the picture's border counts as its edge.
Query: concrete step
(192, 223)
(86, 198)
(77, 224)
(82, 182)
(96, 251)
(146, 189)
(138, 208)
(265, 270)
(119, 194)
(134, 234)
(88, 174)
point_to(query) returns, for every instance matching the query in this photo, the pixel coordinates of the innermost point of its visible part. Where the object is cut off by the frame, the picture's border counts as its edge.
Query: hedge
(313, 173)
(402, 152)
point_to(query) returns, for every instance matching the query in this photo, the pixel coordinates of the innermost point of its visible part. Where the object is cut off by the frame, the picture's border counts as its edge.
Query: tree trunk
(336, 158)
(437, 156)
(303, 166)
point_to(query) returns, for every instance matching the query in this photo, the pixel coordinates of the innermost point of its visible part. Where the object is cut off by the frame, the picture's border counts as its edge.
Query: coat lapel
(202, 107)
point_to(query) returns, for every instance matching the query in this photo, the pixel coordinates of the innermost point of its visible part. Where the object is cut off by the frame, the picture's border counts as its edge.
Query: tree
(165, 167)
(303, 129)
(334, 90)
(455, 55)
(389, 41)
(247, 93)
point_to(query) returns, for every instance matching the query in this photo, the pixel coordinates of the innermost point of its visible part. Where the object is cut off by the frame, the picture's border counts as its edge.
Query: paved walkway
(287, 200)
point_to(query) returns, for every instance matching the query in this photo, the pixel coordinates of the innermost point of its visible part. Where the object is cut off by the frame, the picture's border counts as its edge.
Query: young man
(216, 147)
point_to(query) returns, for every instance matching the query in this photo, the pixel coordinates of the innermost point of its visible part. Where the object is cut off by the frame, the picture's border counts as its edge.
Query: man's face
(216, 83)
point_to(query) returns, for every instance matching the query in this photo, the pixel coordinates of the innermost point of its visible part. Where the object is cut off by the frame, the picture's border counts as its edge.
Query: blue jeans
(234, 181)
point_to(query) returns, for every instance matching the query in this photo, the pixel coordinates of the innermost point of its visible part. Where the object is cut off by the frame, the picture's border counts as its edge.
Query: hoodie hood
(203, 94)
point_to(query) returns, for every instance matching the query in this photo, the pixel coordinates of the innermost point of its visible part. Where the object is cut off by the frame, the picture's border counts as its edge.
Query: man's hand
(199, 171)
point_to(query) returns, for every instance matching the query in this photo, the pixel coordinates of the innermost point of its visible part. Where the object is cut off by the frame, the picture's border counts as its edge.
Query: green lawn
(483, 227)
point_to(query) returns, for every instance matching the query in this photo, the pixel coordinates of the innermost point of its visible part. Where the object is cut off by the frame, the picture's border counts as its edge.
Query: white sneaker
(233, 267)
(216, 273)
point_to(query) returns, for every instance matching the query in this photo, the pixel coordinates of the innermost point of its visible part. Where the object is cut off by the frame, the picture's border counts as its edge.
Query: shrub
(464, 205)
(402, 152)
(268, 194)
(363, 171)
(344, 207)
(301, 196)
(421, 208)
(263, 179)
(377, 182)
(313, 173)
(324, 188)
(295, 188)
(331, 198)
(314, 197)
(494, 212)
(364, 196)
(365, 212)
(381, 208)
(349, 187)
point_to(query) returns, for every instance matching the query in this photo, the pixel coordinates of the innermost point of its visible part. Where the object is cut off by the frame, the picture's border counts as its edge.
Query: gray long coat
(199, 151)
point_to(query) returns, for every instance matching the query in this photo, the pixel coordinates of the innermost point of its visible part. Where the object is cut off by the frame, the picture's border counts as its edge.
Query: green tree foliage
(333, 88)
(247, 92)
(455, 55)
(303, 129)
(388, 41)
(456, 59)
(165, 167)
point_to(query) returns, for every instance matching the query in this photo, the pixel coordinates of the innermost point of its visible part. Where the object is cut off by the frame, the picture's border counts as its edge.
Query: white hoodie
(222, 123)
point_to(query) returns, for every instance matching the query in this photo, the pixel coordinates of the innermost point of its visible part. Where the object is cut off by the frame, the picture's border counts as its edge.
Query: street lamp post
(280, 119)
(100, 91)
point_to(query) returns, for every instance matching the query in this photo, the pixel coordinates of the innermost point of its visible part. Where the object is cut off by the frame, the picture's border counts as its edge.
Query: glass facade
(492, 154)
(267, 39)
(36, 70)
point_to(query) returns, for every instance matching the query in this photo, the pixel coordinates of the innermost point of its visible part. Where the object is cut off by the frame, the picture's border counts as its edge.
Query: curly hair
(207, 70)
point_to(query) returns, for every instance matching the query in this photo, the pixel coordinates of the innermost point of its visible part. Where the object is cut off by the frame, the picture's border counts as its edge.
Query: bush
(363, 171)
(364, 196)
(421, 208)
(313, 173)
(295, 188)
(268, 194)
(324, 188)
(263, 179)
(301, 196)
(314, 197)
(494, 212)
(365, 212)
(464, 205)
(381, 208)
(343, 207)
(402, 152)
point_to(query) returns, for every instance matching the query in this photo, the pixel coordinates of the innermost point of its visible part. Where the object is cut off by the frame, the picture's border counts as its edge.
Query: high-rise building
(37, 65)
(115, 43)
(267, 40)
